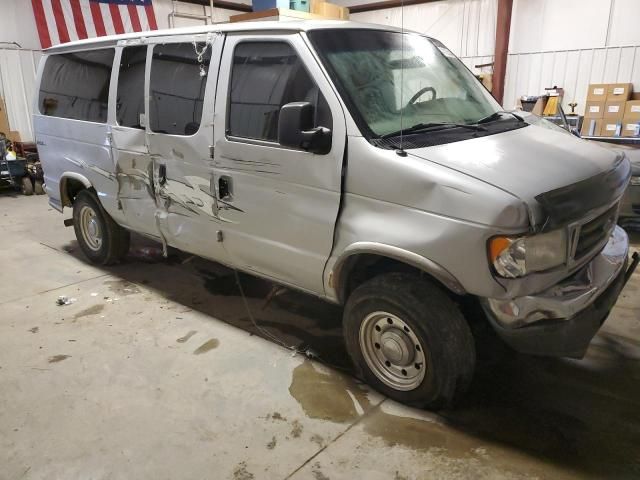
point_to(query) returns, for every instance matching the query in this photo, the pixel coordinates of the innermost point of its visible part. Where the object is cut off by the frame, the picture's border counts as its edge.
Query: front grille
(595, 232)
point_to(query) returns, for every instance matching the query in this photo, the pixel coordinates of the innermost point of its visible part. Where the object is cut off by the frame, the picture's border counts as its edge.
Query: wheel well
(359, 268)
(69, 189)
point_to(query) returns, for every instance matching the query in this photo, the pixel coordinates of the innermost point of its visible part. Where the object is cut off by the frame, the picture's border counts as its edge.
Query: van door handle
(225, 188)
(162, 174)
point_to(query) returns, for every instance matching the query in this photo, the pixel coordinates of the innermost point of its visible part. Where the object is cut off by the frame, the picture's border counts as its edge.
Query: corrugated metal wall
(467, 27)
(578, 41)
(530, 73)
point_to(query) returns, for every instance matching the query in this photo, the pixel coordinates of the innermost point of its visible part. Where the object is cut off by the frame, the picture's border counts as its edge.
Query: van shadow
(578, 415)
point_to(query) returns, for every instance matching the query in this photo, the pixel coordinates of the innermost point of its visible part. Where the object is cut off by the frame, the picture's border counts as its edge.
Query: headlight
(514, 257)
(635, 181)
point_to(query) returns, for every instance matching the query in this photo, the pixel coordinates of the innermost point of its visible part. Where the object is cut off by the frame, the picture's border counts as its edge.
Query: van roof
(272, 26)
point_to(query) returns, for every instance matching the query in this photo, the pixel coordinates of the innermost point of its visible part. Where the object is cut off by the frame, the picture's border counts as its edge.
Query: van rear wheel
(102, 240)
(408, 340)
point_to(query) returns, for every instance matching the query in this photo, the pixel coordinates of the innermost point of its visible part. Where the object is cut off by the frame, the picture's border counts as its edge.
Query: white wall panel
(17, 79)
(573, 70)
(624, 23)
(467, 27)
(550, 25)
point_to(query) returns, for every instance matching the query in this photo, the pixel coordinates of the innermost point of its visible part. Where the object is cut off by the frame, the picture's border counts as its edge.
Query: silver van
(354, 162)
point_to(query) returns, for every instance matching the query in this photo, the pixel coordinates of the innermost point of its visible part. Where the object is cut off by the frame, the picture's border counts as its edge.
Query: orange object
(497, 245)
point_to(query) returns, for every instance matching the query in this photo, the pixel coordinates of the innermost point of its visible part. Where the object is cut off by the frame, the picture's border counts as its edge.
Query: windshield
(395, 81)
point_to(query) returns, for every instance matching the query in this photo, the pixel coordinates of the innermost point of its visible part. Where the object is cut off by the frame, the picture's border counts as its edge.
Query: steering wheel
(421, 92)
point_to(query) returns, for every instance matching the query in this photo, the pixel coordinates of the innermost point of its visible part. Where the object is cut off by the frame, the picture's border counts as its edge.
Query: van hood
(559, 176)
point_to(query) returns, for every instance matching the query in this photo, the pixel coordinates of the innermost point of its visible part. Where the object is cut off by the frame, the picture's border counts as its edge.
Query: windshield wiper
(421, 127)
(496, 115)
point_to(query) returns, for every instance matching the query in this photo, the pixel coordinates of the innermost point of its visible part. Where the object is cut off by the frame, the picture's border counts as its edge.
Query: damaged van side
(358, 163)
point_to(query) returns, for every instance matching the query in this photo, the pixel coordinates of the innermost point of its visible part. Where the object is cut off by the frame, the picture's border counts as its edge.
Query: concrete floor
(155, 372)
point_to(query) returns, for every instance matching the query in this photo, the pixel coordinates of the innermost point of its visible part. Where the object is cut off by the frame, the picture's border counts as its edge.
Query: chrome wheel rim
(392, 351)
(90, 228)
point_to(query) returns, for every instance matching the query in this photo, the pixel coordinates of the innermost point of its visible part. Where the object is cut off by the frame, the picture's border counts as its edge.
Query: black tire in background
(39, 188)
(26, 185)
(89, 217)
(410, 311)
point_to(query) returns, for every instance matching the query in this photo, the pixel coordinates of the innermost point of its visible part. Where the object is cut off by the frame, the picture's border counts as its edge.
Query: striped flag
(61, 21)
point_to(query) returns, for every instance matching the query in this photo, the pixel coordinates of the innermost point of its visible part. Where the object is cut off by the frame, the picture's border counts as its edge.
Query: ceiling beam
(227, 5)
(363, 7)
(369, 7)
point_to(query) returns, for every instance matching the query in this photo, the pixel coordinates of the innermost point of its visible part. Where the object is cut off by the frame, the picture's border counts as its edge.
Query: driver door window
(265, 76)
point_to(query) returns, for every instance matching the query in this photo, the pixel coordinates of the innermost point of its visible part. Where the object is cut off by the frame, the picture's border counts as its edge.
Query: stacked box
(591, 127)
(631, 120)
(611, 110)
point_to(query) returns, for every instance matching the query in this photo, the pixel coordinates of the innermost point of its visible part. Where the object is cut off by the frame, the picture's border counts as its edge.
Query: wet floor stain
(94, 310)
(225, 284)
(415, 433)
(277, 416)
(241, 472)
(122, 288)
(317, 472)
(186, 338)
(207, 346)
(34, 329)
(272, 444)
(317, 439)
(58, 358)
(327, 395)
(296, 429)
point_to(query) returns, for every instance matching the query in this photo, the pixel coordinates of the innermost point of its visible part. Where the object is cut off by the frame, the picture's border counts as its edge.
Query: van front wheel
(408, 340)
(102, 240)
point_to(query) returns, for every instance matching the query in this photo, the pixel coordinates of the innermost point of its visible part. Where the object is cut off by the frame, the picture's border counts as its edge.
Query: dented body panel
(301, 218)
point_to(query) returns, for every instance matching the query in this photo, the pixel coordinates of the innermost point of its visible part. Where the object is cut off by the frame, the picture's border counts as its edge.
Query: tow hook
(635, 259)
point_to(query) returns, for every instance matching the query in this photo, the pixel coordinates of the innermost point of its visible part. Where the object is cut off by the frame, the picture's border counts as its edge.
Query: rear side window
(130, 98)
(178, 80)
(266, 76)
(76, 85)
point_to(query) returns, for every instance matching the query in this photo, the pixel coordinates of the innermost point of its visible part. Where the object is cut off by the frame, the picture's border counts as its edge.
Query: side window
(178, 80)
(266, 76)
(130, 98)
(76, 85)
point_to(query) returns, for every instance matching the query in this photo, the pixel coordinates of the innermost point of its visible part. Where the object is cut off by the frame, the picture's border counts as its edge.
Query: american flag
(61, 21)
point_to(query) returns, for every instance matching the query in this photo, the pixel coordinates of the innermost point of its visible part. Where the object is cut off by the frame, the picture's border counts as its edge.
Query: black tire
(38, 187)
(27, 186)
(114, 239)
(446, 339)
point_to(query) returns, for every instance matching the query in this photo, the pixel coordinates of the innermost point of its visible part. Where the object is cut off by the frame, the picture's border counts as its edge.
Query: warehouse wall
(571, 44)
(467, 27)
(18, 65)
(568, 43)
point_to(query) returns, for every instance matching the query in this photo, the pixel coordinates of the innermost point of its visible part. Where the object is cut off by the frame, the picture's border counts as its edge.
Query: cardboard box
(591, 127)
(594, 110)
(13, 136)
(4, 119)
(635, 96)
(614, 110)
(631, 127)
(611, 128)
(620, 92)
(597, 92)
(632, 109)
(329, 10)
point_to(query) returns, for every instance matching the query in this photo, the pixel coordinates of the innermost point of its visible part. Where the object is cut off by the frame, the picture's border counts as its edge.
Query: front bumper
(562, 320)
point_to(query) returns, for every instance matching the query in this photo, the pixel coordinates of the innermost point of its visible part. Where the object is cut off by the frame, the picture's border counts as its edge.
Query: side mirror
(295, 129)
